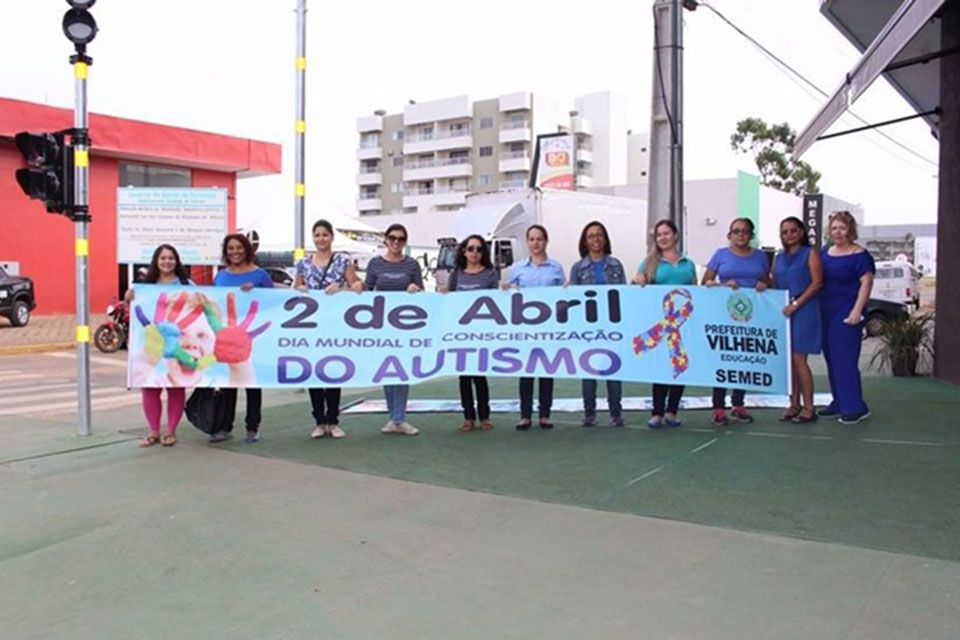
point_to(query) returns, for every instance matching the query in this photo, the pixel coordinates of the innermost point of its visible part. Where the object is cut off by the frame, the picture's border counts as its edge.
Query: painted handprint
(233, 341)
(162, 336)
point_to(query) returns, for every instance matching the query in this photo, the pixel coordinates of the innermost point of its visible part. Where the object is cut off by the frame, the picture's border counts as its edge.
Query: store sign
(554, 163)
(192, 220)
(813, 218)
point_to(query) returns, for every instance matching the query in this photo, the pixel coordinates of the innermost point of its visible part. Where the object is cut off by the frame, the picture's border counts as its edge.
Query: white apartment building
(432, 155)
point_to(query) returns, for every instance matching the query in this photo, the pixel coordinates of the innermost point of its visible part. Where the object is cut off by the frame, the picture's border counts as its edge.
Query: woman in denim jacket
(597, 266)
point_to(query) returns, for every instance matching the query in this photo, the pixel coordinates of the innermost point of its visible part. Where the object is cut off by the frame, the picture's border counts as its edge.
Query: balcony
(439, 168)
(437, 141)
(584, 180)
(516, 131)
(369, 150)
(584, 154)
(579, 124)
(516, 101)
(514, 161)
(514, 183)
(369, 176)
(426, 199)
(368, 204)
(369, 123)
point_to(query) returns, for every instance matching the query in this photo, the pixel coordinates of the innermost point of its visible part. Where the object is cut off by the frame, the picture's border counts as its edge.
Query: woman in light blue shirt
(666, 265)
(536, 271)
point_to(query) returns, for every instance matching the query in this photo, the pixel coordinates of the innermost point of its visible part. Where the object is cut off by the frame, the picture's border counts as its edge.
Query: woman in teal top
(666, 265)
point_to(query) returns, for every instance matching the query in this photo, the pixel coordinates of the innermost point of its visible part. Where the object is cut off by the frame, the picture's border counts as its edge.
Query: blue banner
(218, 336)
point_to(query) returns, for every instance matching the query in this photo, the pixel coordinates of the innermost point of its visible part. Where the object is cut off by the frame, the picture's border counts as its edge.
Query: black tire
(19, 314)
(108, 339)
(875, 324)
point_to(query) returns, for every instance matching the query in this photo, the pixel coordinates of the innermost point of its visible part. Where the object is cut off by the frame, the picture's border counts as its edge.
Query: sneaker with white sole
(854, 418)
(319, 432)
(335, 431)
(390, 427)
(406, 429)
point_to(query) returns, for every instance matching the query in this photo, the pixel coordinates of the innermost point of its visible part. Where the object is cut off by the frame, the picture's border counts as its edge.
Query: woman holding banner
(848, 270)
(799, 270)
(474, 270)
(241, 271)
(597, 266)
(666, 265)
(395, 271)
(737, 265)
(328, 272)
(536, 271)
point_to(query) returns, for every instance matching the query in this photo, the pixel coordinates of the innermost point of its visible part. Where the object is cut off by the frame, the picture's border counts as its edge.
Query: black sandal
(546, 425)
(523, 425)
(801, 419)
(789, 416)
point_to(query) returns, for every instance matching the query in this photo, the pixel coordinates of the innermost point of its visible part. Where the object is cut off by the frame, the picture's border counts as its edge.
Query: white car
(897, 280)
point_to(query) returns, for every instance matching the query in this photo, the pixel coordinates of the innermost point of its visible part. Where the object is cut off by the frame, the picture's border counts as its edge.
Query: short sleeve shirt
(744, 270)
(683, 272)
(525, 273)
(257, 277)
(384, 275)
(321, 277)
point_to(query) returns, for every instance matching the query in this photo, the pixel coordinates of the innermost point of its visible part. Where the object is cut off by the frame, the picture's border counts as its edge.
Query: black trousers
(483, 397)
(254, 403)
(667, 396)
(720, 397)
(526, 397)
(326, 405)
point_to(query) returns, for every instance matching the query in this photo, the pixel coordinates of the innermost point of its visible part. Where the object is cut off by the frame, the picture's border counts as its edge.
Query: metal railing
(512, 155)
(439, 162)
(367, 170)
(428, 191)
(438, 135)
(515, 124)
(369, 144)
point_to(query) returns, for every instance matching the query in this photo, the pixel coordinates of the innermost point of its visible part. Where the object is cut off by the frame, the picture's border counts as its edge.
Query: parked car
(280, 276)
(17, 299)
(897, 280)
(878, 312)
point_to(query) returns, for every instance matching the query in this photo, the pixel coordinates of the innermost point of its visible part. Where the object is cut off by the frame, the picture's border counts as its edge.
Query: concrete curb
(15, 349)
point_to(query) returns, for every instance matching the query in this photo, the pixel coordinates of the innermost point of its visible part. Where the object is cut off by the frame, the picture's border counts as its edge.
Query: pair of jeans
(326, 405)
(526, 397)
(396, 396)
(614, 396)
(720, 397)
(483, 397)
(668, 395)
(254, 402)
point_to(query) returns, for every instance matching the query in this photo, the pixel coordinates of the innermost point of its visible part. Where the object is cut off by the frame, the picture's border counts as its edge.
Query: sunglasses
(472, 248)
(396, 238)
(740, 232)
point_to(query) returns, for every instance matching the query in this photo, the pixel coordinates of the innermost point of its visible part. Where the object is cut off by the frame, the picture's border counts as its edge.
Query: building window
(398, 135)
(133, 174)
(486, 122)
(486, 151)
(369, 191)
(459, 128)
(483, 180)
(396, 187)
(459, 155)
(369, 140)
(398, 161)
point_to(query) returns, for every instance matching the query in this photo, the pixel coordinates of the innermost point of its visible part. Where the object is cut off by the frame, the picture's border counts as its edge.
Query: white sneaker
(335, 431)
(407, 429)
(319, 432)
(390, 427)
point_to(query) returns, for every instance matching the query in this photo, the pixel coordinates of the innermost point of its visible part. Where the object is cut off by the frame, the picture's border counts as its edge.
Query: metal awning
(901, 40)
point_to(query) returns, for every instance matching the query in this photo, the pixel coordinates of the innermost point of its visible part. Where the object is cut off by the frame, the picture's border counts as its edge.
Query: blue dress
(791, 271)
(841, 342)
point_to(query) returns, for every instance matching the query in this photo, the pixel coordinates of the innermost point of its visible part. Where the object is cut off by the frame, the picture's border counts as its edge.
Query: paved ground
(485, 535)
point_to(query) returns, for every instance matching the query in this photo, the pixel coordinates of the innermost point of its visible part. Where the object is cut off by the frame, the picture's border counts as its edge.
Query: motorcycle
(112, 334)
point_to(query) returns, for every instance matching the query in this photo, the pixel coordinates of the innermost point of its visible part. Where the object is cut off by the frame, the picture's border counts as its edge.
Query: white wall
(774, 207)
(608, 113)
(638, 158)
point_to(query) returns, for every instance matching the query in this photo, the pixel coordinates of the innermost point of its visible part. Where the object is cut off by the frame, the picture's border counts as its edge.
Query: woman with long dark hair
(666, 265)
(165, 268)
(241, 270)
(736, 265)
(597, 266)
(329, 272)
(473, 270)
(395, 271)
(799, 269)
(538, 270)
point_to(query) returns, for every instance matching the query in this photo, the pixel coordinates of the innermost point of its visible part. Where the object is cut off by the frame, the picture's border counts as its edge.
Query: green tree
(772, 148)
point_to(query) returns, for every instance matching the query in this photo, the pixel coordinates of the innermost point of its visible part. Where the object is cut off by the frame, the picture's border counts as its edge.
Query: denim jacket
(582, 271)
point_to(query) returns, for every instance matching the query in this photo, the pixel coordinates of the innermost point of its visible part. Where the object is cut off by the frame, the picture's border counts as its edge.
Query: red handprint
(233, 341)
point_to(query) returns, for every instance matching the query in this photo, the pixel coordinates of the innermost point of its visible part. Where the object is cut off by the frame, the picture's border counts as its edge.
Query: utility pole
(665, 186)
(300, 128)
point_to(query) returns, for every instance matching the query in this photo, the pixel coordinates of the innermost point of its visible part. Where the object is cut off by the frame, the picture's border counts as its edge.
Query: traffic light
(49, 172)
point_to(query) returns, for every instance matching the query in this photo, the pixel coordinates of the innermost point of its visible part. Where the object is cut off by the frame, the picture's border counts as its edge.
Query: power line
(810, 83)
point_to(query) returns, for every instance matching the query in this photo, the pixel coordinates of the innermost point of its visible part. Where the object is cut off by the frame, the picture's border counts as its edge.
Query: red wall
(43, 243)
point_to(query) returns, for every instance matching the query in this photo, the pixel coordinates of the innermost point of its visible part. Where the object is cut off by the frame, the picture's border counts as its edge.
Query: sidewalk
(43, 333)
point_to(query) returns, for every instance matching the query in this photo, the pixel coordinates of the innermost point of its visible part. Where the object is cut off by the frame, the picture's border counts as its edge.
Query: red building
(123, 152)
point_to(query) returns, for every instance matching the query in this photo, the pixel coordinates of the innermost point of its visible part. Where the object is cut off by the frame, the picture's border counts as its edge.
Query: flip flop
(149, 441)
(168, 440)
(805, 419)
(789, 415)
(546, 425)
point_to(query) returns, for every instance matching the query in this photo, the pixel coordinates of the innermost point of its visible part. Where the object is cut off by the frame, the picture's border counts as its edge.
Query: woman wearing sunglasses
(474, 270)
(737, 265)
(395, 271)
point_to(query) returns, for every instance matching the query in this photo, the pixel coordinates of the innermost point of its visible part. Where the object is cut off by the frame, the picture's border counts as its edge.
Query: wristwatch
(794, 303)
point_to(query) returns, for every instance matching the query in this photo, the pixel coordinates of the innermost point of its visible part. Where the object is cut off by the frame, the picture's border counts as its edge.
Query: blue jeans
(396, 395)
(614, 396)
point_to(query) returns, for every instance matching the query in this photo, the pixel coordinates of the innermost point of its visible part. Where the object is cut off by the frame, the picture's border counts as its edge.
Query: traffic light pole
(300, 135)
(81, 217)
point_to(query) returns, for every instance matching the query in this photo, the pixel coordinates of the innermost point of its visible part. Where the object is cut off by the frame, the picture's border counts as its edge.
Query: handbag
(206, 409)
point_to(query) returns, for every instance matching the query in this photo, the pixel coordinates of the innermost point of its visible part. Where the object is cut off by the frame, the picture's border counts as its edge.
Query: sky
(227, 66)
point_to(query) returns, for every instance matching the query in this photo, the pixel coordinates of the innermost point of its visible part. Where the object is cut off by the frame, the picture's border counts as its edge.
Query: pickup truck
(16, 298)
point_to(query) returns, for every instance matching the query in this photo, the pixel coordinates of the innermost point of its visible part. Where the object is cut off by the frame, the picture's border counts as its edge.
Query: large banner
(554, 161)
(193, 220)
(218, 336)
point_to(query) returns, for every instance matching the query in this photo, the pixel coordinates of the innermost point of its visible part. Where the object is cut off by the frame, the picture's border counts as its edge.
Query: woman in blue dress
(847, 280)
(799, 270)
(735, 266)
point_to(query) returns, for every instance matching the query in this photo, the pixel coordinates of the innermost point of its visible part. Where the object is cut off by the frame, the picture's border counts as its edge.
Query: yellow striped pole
(300, 130)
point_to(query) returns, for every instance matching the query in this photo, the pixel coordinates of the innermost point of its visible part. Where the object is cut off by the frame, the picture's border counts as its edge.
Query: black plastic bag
(206, 409)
